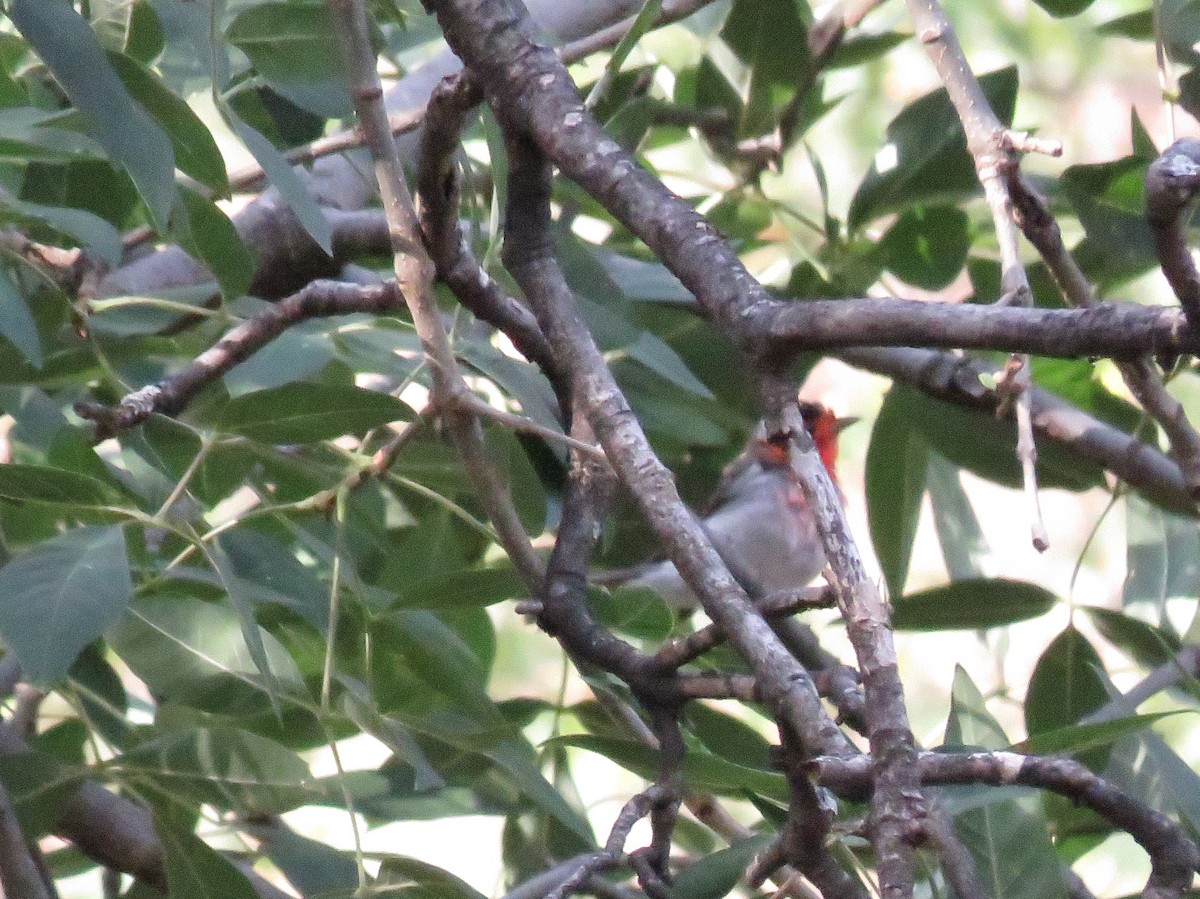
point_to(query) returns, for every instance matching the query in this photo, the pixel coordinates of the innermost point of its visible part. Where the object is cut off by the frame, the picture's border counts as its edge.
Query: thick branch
(1174, 858)
(957, 380)
(1118, 330)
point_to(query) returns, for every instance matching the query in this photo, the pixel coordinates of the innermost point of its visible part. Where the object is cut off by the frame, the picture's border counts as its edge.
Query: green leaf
(225, 767)
(144, 38)
(82, 226)
(242, 604)
(196, 870)
(30, 135)
(926, 160)
(771, 38)
(196, 151)
(284, 179)
(1008, 837)
(717, 873)
(977, 441)
(970, 723)
(39, 789)
(657, 356)
(964, 548)
(16, 321)
(927, 245)
(66, 43)
(291, 46)
(303, 413)
(1162, 555)
(1062, 8)
(1065, 685)
(43, 484)
(1148, 645)
(207, 233)
(1109, 200)
(635, 611)
(300, 353)
(1076, 739)
(194, 653)
(897, 460)
(60, 596)
(311, 867)
(467, 587)
(971, 605)
(415, 879)
(701, 770)
(729, 737)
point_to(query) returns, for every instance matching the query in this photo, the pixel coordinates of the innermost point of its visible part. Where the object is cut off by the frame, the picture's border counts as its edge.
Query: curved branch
(1174, 858)
(1172, 184)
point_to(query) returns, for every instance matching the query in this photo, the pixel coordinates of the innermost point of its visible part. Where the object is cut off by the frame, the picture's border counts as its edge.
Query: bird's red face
(824, 427)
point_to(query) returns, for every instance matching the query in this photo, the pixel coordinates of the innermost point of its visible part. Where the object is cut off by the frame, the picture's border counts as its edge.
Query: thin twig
(414, 277)
(993, 150)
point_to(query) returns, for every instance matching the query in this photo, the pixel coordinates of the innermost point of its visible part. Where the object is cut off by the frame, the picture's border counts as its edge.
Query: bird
(758, 519)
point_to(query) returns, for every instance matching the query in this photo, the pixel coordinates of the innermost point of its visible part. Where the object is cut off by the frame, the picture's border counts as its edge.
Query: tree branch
(1173, 857)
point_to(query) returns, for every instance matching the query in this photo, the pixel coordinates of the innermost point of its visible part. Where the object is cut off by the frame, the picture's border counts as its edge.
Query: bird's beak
(840, 424)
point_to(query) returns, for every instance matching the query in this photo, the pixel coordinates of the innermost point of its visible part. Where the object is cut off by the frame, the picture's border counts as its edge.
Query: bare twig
(680, 651)
(414, 277)
(170, 395)
(993, 148)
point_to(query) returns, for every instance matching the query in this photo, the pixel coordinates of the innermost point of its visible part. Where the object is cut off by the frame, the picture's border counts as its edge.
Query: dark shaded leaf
(897, 459)
(1008, 837)
(1062, 8)
(931, 164)
(16, 321)
(927, 245)
(196, 151)
(1065, 685)
(60, 596)
(132, 138)
(415, 879)
(43, 484)
(290, 45)
(971, 605)
(195, 869)
(717, 873)
(700, 770)
(302, 413)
